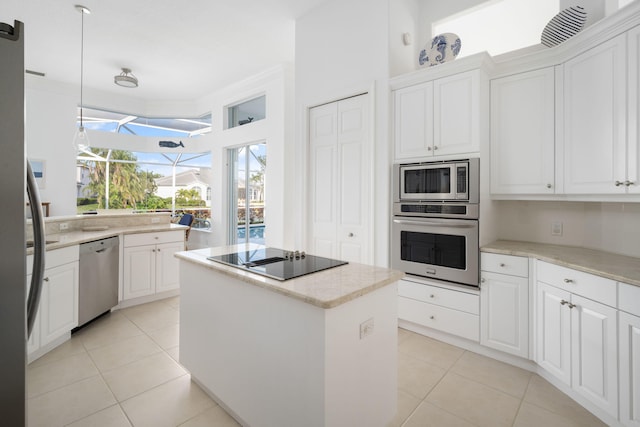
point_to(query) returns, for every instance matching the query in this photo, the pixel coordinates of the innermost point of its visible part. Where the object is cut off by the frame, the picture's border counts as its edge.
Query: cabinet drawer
(153, 238)
(504, 264)
(462, 301)
(61, 256)
(444, 319)
(629, 299)
(587, 285)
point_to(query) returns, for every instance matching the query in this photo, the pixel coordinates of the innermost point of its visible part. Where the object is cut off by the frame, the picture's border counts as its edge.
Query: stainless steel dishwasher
(98, 278)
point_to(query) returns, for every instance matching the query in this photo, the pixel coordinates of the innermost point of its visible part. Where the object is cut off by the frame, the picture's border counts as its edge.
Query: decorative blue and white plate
(443, 48)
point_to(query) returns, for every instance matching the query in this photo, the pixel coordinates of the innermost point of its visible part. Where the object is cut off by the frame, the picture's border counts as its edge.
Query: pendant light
(81, 139)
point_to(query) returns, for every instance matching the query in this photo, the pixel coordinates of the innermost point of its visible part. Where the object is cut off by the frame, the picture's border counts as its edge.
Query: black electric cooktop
(277, 263)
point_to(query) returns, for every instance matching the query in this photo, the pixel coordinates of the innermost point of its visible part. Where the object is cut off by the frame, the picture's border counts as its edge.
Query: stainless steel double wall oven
(435, 220)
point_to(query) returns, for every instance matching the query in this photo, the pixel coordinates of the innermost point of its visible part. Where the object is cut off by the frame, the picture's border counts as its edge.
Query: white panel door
(413, 119)
(355, 159)
(340, 165)
(167, 266)
(594, 114)
(456, 114)
(629, 335)
(594, 348)
(523, 133)
(553, 325)
(504, 313)
(139, 271)
(59, 302)
(323, 137)
(633, 116)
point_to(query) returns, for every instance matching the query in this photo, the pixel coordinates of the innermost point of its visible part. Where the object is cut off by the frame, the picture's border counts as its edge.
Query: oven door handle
(448, 224)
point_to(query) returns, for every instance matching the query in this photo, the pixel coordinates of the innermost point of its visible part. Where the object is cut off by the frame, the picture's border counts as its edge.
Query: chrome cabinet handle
(432, 317)
(619, 183)
(568, 280)
(428, 148)
(483, 280)
(432, 296)
(628, 183)
(435, 147)
(350, 234)
(46, 279)
(571, 305)
(502, 264)
(563, 302)
(548, 185)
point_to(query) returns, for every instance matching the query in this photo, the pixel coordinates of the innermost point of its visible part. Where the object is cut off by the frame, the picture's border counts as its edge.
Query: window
(140, 181)
(246, 112)
(247, 178)
(499, 26)
(110, 121)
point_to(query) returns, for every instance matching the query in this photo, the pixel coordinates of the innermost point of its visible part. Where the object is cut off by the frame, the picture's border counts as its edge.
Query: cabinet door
(629, 336)
(504, 313)
(633, 116)
(594, 344)
(167, 266)
(139, 268)
(594, 113)
(523, 133)
(413, 116)
(59, 302)
(553, 331)
(456, 114)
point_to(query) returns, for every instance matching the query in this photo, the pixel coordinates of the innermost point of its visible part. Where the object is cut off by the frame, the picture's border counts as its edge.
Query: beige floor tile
(108, 330)
(403, 334)
(69, 348)
(432, 351)
(428, 415)
(167, 405)
(215, 416)
(150, 306)
(153, 320)
(123, 352)
(474, 402)
(172, 302)
(109, 417)
(51, 376)
(491, 372)
(174, 352)
(142, 375)
(406, 405)
(543, 394)
(533, 416)
(68, 404)
(417, 377)
(167, 337)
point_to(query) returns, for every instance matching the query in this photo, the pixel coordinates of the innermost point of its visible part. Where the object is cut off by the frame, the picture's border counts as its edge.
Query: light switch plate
(556, 228)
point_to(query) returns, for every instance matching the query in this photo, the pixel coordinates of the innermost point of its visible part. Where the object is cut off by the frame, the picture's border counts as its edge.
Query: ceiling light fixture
(126, 79)
(81, 139)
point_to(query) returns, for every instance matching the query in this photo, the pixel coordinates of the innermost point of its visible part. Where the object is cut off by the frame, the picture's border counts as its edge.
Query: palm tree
(126, 187)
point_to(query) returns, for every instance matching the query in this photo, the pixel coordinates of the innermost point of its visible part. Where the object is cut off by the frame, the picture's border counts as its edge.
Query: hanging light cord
(81, 67)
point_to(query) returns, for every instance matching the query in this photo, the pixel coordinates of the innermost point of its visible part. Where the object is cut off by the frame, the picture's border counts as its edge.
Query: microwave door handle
(447, 224)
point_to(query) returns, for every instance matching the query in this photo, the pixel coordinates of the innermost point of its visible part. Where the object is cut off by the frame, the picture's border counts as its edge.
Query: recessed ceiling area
(177, 50)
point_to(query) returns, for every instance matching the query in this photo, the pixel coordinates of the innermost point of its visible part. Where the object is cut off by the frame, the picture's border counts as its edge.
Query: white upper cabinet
(593, 119)
(441, 117)
(633, 115)
(456, 114)
(413, 113)
(522, 133)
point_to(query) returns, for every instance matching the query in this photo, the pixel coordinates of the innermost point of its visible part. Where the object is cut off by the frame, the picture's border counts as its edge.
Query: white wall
(342, 50)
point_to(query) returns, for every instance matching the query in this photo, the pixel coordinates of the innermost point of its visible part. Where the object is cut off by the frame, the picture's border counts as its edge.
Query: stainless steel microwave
(456, 180)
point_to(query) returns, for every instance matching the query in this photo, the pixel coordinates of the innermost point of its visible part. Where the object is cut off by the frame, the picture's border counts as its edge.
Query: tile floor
(122, 370)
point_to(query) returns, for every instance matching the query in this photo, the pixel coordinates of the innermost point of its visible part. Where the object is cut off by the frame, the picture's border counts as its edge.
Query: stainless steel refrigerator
(16, 189)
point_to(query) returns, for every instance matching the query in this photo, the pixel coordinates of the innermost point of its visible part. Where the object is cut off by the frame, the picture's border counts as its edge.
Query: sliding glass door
(247, 167)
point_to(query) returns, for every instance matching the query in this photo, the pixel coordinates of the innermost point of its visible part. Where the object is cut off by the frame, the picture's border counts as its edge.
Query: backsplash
(611, 227)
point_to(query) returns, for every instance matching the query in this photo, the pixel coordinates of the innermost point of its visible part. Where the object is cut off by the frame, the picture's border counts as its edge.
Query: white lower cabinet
(149, 265)
(504, 303)
(451, 311)
(58, 309)
(577, 336)
(629, 354)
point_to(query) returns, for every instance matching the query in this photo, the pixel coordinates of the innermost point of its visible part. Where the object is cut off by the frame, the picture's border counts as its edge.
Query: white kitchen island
(317, 350)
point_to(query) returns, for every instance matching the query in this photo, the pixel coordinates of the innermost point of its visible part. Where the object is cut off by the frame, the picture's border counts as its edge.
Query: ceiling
(179, 50)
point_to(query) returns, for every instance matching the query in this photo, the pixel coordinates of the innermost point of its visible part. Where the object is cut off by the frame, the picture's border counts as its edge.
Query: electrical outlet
(64, 226)
(366, 328)
(155, 220)
(556, 228)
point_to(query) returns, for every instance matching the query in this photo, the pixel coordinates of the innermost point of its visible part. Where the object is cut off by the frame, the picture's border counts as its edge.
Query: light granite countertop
(75, 237)
(325, 289)
(606, 264)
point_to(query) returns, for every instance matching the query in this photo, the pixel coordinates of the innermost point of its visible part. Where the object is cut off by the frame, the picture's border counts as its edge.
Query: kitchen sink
(30, 243)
